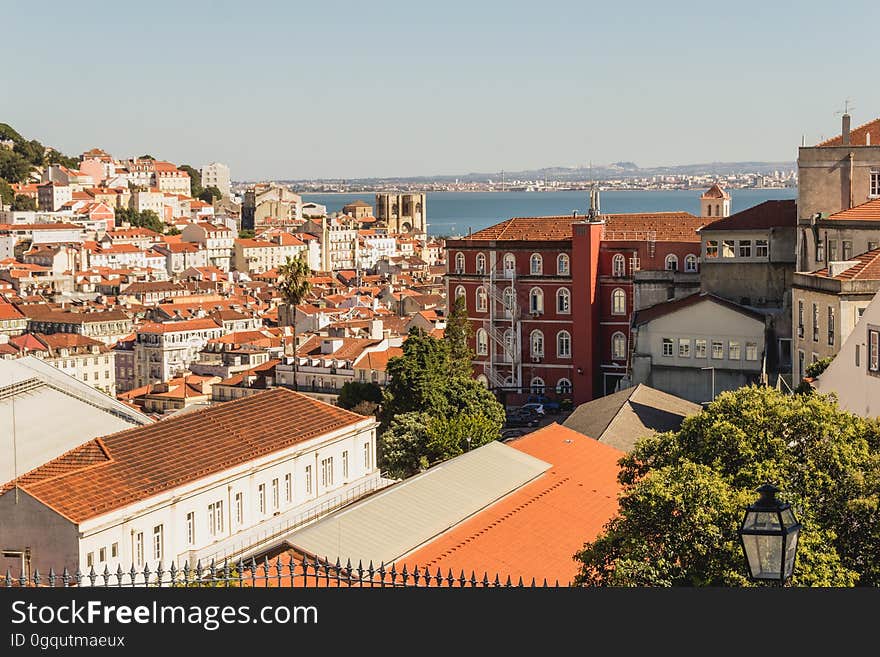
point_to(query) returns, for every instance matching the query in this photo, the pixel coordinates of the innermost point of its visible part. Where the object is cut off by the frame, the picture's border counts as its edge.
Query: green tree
(6, 193)
(146, 157)
(32, 151)
(22, 202)
(418, 378)
(173, 230)
(55, 157)
(195, 180)
(246, 233)
(353, 393)
(684, 494)
(209, 194)
(457, 334)
(430, 412)
(13, 167)
(813, 370)
(294, 286)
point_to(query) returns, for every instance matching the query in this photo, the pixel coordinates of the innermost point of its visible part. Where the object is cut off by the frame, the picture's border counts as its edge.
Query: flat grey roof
(390, 524)
(53, 413)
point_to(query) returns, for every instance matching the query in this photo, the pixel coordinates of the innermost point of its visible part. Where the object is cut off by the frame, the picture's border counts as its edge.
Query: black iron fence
(279, 571)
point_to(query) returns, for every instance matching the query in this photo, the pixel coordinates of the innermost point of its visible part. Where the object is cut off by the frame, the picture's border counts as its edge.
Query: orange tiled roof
(123, 468)
(174, 327)
(536, 530)
(869, 211)
(378, 360)
(666, 226)
(715, 192)
(867, 269)
(350, 349)
(858, 136)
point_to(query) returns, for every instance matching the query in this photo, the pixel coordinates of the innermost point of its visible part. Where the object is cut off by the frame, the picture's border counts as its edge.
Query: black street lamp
(769, 535)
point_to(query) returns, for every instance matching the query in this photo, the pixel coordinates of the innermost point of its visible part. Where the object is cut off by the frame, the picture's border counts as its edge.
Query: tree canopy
(432, 412)
(6, 193)
(457, 334)
(23, 202)
(143, 219)
(195, 180)
(685, 493)
(16, 164)
(209, 194)
(353, 393)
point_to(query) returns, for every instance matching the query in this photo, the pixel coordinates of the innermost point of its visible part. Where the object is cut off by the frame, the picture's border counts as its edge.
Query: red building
(551, 298)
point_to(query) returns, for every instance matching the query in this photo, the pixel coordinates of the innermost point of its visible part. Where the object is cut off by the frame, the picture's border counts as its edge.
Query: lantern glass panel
(763, 520)
(788, 518)
(764, 553)
(790, 551)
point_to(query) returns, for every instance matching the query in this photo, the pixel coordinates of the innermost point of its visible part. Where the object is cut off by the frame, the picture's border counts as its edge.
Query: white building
(216, 175)
(256, 256)
(854, 374)
(216, 240)
(182, 255)
(373, 246)
(163, 350)
(259, 472)
(697, 346)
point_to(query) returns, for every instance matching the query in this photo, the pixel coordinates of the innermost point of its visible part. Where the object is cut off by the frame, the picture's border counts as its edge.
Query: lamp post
(769, 535)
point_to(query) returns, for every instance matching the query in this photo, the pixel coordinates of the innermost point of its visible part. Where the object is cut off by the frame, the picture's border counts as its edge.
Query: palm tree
(293, 283)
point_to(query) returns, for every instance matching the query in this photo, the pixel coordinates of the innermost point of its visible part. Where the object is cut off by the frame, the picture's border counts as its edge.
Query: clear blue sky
(338, 89)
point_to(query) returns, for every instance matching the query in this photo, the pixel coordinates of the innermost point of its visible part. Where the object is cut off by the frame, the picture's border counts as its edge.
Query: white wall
(170, 508)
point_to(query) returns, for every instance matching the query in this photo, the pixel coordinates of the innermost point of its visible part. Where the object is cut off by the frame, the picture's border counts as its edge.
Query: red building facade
(550, 301)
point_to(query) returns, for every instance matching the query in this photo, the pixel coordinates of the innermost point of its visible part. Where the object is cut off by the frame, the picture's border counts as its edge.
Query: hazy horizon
(391, 89)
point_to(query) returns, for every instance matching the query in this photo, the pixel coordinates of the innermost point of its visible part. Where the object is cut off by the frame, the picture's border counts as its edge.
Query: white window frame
(684, 347)
(482, 342)
(734, 350)
(536, 300)
(482, 300)
(618, 338)
(618, 301)
(536, 343)
(667, 348)
(563, 387)
(690, 263)
(752, 351)
(536, 264)
(671, 262)
(537, 386)
(762, 248)
(158, 542)
(563, 264)
(481, 263)
(717, 348)
(459, 263)
(563, 339)
(261, 497)
(191, 528)
(563, 301)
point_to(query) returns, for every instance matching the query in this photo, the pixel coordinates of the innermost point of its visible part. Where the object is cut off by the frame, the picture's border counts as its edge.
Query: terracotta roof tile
(869, 211)
(664, 308)
(142, 462)
(867, 268)
(858, 136)
(536, 530)
(715, 192)
(769, 214)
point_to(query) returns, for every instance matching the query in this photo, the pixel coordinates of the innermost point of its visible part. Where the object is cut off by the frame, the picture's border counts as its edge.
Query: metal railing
(278, 571)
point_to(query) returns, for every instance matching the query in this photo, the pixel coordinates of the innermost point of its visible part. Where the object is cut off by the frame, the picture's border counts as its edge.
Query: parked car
(537, 409)
(550, 405)
(510, 434)
(522, 418)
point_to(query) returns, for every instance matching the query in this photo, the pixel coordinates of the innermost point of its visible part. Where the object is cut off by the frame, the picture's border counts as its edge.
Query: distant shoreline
(536, 191)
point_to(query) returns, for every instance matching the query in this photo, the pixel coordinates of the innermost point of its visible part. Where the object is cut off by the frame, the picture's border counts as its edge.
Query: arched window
(481, 263)
(690, 263)
(618, 265)
(618, 346)
(459, 291)
(672, 262)
(537, 386)
(536, 300)
(509, 299)
(481, 378)
(509, 345)
(563, 387)
(509, 264)
(536, 264)
(482, 299)
(618, 302)
(717, 210)
(563, 344)
(709, 210)
(459, 263)
(482, 342)
(562, 263)
(563, 300)
(537, 343)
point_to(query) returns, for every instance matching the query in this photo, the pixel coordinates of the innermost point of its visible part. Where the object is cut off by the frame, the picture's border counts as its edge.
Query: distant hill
(17, 163)
(614, 170)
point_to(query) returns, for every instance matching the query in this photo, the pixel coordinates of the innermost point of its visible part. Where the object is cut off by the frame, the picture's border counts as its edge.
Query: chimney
(845, 130)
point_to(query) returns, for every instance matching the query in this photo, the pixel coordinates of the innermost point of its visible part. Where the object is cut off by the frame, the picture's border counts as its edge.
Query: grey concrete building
(834, 176)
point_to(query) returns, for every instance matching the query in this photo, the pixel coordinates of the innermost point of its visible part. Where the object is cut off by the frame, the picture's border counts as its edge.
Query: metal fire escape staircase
(502, 371)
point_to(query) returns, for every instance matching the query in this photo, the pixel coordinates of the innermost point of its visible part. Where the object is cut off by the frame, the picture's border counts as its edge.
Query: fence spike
(508, 583)
(462, 580)
(416, 576)
(65, 577)
(486, 580)
(545, 583)
(146, 574)
(199, 571)
(240, 569)
(8, 580)
(172, 573)
(473, 578)
(119, 574)
(497, 581)
(533, 583)
(186, 573)
(132, 574)
(106, 575)
(520, 582)
(92, 575)
(36, 577)
(52, 577)
(439, 576)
